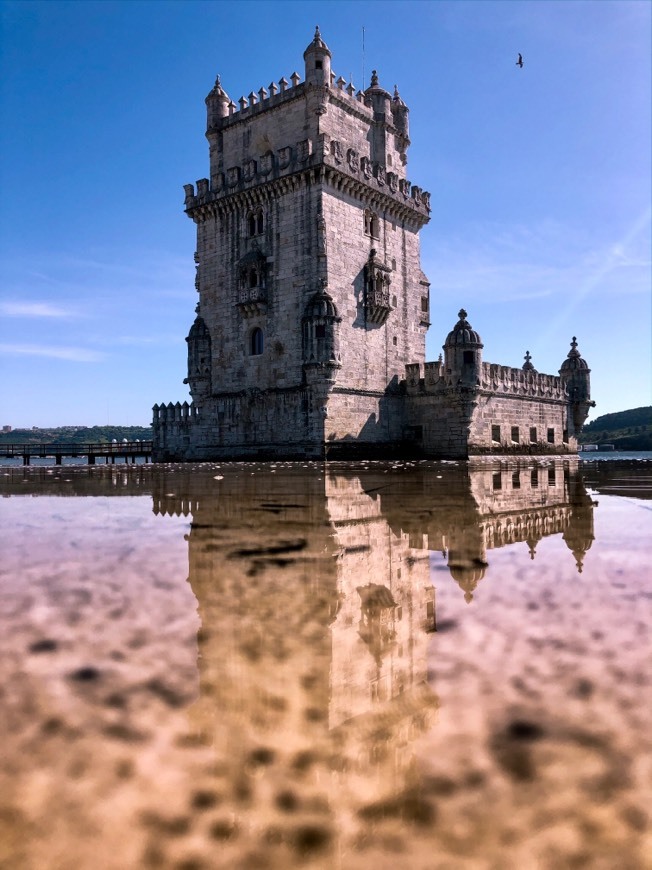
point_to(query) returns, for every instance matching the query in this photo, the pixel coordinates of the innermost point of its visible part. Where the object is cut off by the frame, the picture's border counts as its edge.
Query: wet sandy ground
(199, 668)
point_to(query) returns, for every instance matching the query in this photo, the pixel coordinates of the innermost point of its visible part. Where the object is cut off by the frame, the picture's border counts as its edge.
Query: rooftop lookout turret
(317, 58)
(463, 352)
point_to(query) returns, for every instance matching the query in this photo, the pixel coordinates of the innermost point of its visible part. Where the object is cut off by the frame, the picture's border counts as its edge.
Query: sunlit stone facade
(309, 339)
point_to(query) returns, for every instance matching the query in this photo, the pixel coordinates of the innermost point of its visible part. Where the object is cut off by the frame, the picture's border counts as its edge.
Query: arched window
(255, 222)
(256, 342)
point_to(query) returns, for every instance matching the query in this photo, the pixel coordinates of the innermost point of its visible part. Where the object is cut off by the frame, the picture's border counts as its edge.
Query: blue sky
(540, 180)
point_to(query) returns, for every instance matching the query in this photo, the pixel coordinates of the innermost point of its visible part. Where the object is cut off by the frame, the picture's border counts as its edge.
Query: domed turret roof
(218, 93)
(573, 361)
(463, 333)
(375, 88)
(397, 101)
(198, 329)
(317, 45)
(321, 305)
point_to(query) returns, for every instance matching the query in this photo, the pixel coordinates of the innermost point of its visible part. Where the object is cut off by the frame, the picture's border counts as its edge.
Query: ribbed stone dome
(375, 88)
(321, 305)
(463, 333)
(218, 93)
(573, 361)
(198, 329)
(317, 44)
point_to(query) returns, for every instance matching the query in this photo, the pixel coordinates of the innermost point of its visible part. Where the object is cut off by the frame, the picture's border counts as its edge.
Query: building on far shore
(309, 339)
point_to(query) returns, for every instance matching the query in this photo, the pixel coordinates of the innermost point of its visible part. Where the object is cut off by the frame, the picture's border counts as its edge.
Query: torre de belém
(310, 334)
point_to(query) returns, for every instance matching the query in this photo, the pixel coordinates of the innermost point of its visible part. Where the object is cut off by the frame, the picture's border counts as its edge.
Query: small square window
(495, 433)
(320, 331)
(319, 64)
(551, 436)
(497, 480)
(468, 357)
(516, 480)
(515, 434)
(533, 434)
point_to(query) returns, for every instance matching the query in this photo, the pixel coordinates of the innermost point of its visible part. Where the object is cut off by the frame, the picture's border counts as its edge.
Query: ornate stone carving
(249, 170)
(266, 163)
(304, 149)
(353, 159)
(284, 157)
(336, 151)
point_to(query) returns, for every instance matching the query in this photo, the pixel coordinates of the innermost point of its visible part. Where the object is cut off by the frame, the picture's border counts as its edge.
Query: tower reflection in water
(317, 612)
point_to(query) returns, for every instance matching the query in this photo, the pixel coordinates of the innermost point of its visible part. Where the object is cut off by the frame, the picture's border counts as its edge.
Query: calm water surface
(378, 665)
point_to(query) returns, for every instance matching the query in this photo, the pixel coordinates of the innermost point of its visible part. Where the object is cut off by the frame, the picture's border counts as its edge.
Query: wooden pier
(121, 450)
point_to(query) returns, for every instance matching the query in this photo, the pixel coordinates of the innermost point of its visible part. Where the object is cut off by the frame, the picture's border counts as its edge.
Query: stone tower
(311, 296)
(309, 339)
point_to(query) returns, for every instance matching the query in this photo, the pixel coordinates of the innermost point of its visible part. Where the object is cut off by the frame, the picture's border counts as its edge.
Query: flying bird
(519, 62)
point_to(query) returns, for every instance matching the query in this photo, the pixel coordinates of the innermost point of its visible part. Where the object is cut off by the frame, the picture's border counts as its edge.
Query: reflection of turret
(467, 557)
(578, 535)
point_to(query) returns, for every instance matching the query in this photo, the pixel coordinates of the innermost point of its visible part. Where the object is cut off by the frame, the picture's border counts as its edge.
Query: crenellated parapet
(505, 380)
(496, 379)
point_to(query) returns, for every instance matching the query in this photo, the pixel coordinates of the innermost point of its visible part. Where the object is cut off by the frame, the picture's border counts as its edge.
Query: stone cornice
(378, 197)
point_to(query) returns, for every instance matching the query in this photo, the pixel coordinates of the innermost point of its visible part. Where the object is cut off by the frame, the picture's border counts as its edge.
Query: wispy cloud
(71, 354)
(34, 309)
(513, 263)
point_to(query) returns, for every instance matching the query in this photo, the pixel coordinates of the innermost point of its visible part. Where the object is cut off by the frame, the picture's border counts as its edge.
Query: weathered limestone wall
(275, 423)
(534, 419)
(373, 354)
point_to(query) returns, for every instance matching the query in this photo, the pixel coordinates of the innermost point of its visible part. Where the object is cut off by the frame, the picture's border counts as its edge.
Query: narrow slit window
(256, 342)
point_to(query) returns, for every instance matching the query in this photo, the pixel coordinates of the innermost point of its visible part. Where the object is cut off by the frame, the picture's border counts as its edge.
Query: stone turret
(217, 105)
(317, 58)
(199, 359)
(575, 375)
(463, 353)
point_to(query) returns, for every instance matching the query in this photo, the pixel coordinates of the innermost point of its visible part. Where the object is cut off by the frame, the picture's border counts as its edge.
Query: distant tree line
(626, 430)
(76, 435)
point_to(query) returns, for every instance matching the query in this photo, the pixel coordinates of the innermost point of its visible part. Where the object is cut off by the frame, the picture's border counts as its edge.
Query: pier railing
(118, 449)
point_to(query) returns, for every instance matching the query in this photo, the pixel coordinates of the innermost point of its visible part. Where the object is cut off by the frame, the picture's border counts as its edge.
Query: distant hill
(76, 435)
(626, 430)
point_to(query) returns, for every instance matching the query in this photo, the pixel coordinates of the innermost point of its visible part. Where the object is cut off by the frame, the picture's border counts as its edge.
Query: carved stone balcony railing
(252, 300)
(378, 305)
